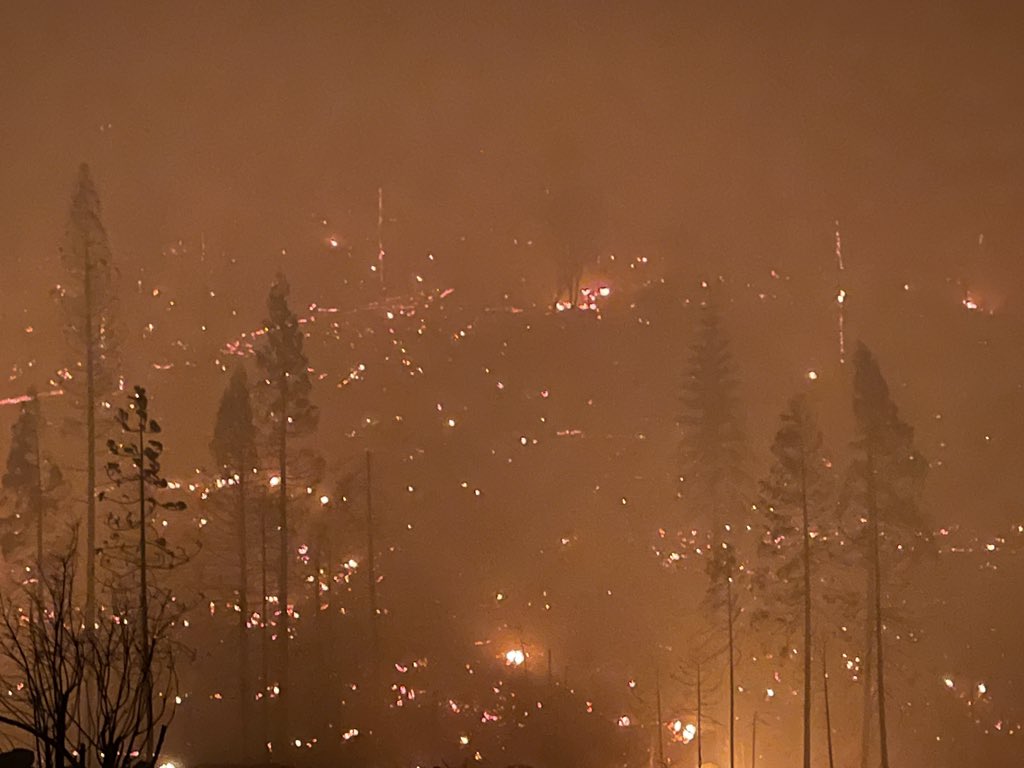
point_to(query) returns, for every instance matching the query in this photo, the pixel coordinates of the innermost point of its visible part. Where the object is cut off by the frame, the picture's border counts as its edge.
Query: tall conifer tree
(712, 452)
(87, 299)
(886, 478)
(234, 450)
(797, 499)
(31, 478)
(289, 413)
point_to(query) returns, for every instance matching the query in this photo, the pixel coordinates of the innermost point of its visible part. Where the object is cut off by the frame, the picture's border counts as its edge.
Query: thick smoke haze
(527, 461)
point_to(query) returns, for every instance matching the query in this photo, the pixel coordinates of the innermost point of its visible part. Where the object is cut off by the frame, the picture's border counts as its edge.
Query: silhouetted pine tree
(712, 452)
(289, 413)
(799, 505)
(723, 571)
(31, 478)
(234, 450)
(136, 545)
(886, 479)
(87, 299)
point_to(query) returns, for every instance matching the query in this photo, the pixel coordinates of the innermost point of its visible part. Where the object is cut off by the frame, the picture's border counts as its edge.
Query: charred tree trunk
(372, 572)
(732, 682)
(147, 650)
(876, 567)
(753, 742)
(807, 611)
(37, 488)
(867, 676)
(700, 723)
(264, 628)
(828, 711)
(244, 692)
(90, 448)
(282, 582)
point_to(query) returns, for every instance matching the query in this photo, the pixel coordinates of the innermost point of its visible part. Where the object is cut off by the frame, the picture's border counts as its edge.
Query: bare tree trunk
(876, 561)
(372, 572)
(37, 491)
(700, 723)
(732, 682)
(264, 628)
(828, 711)
(321, 686)
(867, 677)
(147, 661)
(753, 742)
(244, 693)
(661, 740)
(284, 557)
(90, 449)
(807, 611)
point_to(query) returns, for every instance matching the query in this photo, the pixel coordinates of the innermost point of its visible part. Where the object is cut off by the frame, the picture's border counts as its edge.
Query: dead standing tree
(78, 691)
(43, 643)
(135, 547)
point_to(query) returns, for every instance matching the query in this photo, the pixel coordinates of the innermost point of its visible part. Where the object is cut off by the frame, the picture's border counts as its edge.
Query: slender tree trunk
(372, 572)
(244, 694)
(700, 722)
(320, 685)
(828, 711)
(37, 491)
(867, 676)
(284, 557)
(326, 628)
(147, 666)
(876, 567)
(661, 740)
(380, 239)
(90, 450)
(60, 734)
(753, 742)
(732, 682)
(807, 611)
(264, 627)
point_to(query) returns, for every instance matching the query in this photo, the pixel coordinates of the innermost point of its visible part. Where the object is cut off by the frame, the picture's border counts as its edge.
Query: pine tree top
(713, 452)
(22, 458)
(283, 363)
(87, 237)
(887, 462)
(282, 353)
(234, 435)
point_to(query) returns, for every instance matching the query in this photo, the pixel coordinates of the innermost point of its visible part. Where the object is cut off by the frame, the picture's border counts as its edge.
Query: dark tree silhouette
(234, 450)
(32, 479)
(87, 299)
(723, 570)
(886, 479)
(289, 413)
(78, 690)
(41, 638)
(712, 453)
(798, 502)
(135, 545)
